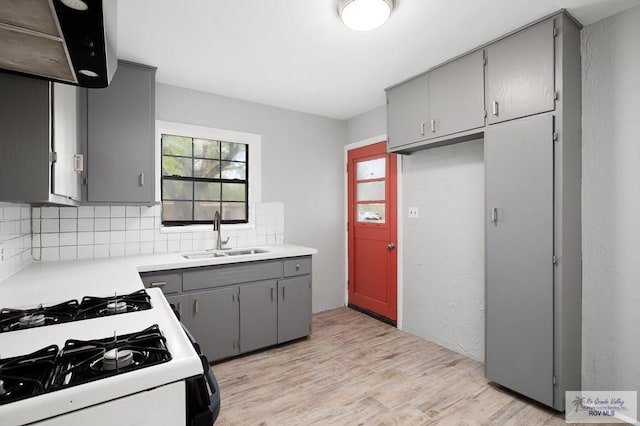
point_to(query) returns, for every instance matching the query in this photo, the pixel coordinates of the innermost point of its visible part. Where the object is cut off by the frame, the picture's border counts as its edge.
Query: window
(200, 176)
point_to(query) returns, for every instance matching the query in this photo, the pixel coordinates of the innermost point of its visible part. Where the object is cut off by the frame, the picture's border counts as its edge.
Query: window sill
(201, 228)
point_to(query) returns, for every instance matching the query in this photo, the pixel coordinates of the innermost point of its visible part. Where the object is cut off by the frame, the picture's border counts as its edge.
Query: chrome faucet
(216, 227)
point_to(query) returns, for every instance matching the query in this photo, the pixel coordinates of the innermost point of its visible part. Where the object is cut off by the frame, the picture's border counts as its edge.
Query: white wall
(611, 202)
(302, 166)
(443, 249)
(367, 125)
(15, 238)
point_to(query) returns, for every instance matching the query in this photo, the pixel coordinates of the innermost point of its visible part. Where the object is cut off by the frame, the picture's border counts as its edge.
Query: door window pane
(371, 169)
(176, 210)
(370, 213)
(370, 191)
(177, 190)
(176, 166)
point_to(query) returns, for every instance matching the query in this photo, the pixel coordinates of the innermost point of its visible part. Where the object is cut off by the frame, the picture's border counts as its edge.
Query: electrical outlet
(1, 253)
(413, 212)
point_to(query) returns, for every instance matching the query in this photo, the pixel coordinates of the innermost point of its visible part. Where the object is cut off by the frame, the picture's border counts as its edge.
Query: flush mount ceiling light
(365, 15)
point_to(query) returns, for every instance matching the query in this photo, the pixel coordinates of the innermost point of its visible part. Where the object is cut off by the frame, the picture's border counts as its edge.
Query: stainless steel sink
(214, 254)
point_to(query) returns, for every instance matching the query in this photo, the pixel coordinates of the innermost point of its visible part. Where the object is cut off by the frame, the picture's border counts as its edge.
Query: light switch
(413, 212)
(1, 253)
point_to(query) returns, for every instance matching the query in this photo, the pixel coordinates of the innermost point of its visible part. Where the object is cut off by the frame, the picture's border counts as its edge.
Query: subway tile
(85, 252)
(102, 224)
(147, 211)
(116, 250)
(86, 212)
(68, 225)
(118, 211)
(117, 224)
(12, 213)
(132, 249)
(35, 213)
(198, 245)
(271, 240)
(146, 248)
(132, 236)
(279, 239)
(101, 237)
(68, 213)
(160, 246)
(68, 239)
(86, 238)
(35, 226)
(173, 246)
(102, 211)
(186, 236)
(146, 235)
(50, 212)
(146, 223)
(25, 213)
(68, 253)
(133, 211)
(50, 225)
(174, 236)
(25, 226)
(186, 245)
(35, 240)
(101, 251)
(1, 212)
(50, 240)
(132, 223)
(85, 224)
(49, 254)
(117, 237)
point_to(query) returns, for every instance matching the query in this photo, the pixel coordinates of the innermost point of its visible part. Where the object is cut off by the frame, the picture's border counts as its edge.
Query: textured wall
(611, 202)
(302, 166)
(443, 249)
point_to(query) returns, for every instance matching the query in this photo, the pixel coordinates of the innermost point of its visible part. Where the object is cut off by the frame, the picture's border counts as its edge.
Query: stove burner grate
(93, 307)
(27, 375)
(19, 319)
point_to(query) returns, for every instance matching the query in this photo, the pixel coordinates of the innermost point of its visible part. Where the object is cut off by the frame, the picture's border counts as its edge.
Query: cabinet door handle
(195, 306)
(496, 108)
(297, 266)
(78, 163)
(142, 179)
(180, 309)
(494, 215)
(422, 129)
(271, 294)
(158, 284)
(283, 294)
(433, 126)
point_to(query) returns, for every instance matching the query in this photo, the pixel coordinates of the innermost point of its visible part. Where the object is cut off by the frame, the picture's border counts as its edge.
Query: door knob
(391, 246)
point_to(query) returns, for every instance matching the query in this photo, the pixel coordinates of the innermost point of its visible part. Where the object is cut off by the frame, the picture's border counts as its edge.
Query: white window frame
(254, 142)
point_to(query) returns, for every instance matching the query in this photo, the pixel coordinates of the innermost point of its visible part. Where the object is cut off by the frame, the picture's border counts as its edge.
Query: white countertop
(51, 282)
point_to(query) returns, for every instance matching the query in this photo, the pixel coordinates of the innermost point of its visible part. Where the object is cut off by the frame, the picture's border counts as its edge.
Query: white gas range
(114, 363)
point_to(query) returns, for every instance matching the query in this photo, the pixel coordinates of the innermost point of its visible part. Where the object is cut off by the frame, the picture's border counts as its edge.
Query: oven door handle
(214, 398)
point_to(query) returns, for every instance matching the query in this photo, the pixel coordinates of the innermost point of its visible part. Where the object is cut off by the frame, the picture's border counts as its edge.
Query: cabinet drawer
(231, 274)
(169, 282)
(297, 266)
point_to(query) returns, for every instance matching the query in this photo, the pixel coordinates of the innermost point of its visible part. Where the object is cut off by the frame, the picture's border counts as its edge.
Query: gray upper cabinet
(40, 128)
(520, 74)
(259, 315)
(294, 308)
(456, 96)
(407, 112)
(120, 137)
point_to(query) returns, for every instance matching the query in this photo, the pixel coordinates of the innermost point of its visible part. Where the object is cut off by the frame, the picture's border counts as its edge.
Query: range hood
(69, 41)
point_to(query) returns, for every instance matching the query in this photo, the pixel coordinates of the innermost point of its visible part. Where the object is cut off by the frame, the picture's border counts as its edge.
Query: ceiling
(296, 54)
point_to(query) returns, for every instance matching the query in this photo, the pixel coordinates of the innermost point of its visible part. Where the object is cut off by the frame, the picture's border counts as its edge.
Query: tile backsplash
(15, 238)
(66, 233)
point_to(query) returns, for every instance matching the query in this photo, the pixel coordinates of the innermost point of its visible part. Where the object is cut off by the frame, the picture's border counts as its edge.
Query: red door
(372, 230)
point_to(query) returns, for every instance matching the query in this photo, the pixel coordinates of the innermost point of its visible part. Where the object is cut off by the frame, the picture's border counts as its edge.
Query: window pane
(206, 148)
(371, 169)
(176, 166)
(370, 191)
(233, 192)
(234, 151)
(176, 210)
(234, 211)
(176, 145)
(371, 213)
(232, 170)
(205, 210)
(177, 190)
(206, 168)
(209, 191)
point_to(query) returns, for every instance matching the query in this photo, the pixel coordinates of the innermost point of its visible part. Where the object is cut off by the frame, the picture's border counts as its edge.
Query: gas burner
(27, 375)
(31, 320)
(82, 361)
(93, 307)
(18, 319)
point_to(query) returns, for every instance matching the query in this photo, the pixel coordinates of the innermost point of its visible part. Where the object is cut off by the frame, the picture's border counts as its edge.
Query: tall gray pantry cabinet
(532, 146)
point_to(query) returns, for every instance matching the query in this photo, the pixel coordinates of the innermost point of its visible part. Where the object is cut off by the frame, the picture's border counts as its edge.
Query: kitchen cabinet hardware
(78, 163)
(142, 179)
(283, 293)
(297, 266)
(391, 246)
(495, 108)
(271, 294)
(422, 128)
(433, 126)
(180, 309)
(158, 284)
(196, 305)
(494, 215)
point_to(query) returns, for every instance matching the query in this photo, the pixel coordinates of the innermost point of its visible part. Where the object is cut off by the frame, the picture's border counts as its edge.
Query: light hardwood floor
(354, 370)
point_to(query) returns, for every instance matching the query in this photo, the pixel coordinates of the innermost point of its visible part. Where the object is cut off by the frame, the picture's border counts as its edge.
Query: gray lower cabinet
(237, 308)
(258, 315)
(407, 112)
(294, 308)
(520, 74)
(41, 126)
(121, 136)
(519, 253)
(456, 96)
